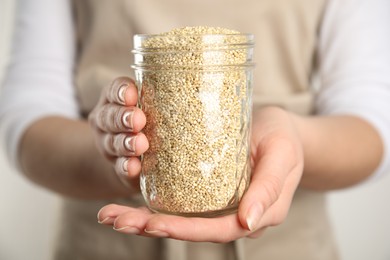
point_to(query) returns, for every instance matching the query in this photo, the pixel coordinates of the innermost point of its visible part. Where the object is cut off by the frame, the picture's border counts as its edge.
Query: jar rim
(143, 35)
(207, 40)
(205, 68)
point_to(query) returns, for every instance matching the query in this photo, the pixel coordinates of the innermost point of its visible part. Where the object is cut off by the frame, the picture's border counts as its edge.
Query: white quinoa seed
(197, 114)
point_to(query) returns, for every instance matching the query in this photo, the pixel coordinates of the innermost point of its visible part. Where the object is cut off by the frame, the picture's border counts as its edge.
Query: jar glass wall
(195, 91)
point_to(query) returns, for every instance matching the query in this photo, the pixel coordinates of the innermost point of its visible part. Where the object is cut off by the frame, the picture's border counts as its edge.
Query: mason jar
(195, 90)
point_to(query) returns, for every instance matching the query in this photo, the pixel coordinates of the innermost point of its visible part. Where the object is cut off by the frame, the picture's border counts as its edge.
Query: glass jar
(195, 90)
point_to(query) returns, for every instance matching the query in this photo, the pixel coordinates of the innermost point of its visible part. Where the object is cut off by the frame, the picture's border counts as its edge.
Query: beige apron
(286, 33)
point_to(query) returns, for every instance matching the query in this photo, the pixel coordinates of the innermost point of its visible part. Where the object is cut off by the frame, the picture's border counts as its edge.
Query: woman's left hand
(277, 166)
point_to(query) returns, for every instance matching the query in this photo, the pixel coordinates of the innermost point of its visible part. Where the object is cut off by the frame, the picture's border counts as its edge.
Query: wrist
(339, 150)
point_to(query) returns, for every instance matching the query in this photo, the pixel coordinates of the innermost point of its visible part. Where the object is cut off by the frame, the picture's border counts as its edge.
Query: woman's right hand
(116, 123)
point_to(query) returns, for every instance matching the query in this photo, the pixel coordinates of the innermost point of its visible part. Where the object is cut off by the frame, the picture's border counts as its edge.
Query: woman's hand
(116, 123)
(277, 165)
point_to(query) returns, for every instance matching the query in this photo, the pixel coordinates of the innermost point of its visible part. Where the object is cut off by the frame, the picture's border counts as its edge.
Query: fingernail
(98, 215)
(130, 144)
(253, 217)
(121, 94)
(127, 119)
(104, 220)
(157, 233)
(124, 168)
(127, 229)
(121, 166)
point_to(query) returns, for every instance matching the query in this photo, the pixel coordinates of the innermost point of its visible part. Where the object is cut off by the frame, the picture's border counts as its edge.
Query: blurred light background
(360, 215)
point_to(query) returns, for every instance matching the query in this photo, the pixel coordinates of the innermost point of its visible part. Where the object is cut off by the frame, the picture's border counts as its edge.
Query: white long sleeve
(39, 80)
(354, 60)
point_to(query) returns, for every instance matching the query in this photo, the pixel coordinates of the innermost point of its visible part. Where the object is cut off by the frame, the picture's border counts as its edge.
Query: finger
(128, 167)
(108, 213)
(122, 91)
(266, 184)
(128, 170)
(220, 230)
(133, 221)
(116, 119)
(125, 145)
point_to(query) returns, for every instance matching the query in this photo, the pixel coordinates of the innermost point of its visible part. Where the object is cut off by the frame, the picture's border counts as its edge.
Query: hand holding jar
(117, 123)
(277, 166)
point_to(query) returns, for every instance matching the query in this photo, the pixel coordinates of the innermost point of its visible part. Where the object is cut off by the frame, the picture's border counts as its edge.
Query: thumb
(264, 190)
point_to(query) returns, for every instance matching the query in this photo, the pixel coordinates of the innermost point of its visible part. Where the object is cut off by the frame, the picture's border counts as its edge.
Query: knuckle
(124, 145)
(100, 117)
(118, 144)
(125, 119)
(114, 118)
(272, 187)
(108, 145)
(117, 94)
